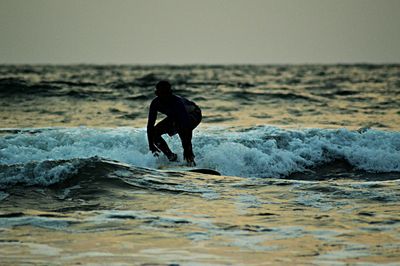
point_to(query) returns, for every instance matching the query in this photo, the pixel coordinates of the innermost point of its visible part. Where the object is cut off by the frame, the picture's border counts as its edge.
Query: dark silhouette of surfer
(182, 117)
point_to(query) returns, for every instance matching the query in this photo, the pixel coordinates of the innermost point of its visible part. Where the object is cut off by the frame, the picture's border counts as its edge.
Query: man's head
(163, 89)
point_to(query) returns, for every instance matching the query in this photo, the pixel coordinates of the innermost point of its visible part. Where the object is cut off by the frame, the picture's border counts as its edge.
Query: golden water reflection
(242, 224)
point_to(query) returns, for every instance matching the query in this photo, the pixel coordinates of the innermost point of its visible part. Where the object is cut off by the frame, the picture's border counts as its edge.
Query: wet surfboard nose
(204, 171)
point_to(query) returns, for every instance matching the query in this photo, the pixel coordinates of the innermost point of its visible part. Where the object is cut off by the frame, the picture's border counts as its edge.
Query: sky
(199, 31)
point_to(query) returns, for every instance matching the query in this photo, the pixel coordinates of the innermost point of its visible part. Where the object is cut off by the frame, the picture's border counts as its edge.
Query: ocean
(309, 157)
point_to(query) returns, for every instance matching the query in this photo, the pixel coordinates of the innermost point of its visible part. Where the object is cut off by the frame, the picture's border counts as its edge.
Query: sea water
(309, 157)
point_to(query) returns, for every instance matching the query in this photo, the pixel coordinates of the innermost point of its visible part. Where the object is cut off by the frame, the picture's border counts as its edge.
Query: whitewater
(263, 152)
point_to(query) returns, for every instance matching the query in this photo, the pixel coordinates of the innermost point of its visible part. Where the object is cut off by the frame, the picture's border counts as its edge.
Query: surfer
(182, 117)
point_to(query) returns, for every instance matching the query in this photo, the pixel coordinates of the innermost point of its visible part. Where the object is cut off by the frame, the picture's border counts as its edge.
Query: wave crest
(48, 156)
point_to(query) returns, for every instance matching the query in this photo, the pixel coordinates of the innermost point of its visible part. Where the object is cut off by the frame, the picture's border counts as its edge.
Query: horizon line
(202, 64)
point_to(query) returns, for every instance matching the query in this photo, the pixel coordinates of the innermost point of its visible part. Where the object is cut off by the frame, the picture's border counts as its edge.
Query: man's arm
(150, 127)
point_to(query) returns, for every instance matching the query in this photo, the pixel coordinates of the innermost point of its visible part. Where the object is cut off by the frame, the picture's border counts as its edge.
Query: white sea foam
(260, 152)
(273, 152)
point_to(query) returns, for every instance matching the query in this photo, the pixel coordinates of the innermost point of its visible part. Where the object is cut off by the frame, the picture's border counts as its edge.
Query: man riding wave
(182, 117)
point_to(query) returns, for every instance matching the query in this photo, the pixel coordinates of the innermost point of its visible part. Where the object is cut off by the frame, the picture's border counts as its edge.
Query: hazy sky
(199, 31)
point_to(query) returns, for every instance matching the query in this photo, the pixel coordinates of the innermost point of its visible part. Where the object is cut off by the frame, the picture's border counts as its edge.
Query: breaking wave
(52, 155)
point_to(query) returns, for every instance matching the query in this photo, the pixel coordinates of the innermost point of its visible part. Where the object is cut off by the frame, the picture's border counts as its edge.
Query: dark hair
(164, 87)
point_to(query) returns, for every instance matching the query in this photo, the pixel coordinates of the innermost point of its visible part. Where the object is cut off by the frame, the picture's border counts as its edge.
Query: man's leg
(161, 128)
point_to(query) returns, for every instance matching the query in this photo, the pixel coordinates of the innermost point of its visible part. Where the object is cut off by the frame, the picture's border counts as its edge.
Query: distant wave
(11, 86)
(253, 96)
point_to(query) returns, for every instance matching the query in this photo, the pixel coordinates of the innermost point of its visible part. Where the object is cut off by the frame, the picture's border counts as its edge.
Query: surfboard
(177, 168)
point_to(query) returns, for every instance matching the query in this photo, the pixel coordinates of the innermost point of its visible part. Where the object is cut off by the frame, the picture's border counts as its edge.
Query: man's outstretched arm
(150, 128)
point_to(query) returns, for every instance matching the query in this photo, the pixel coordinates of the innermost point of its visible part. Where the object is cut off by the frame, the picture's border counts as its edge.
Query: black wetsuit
(182, 117)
